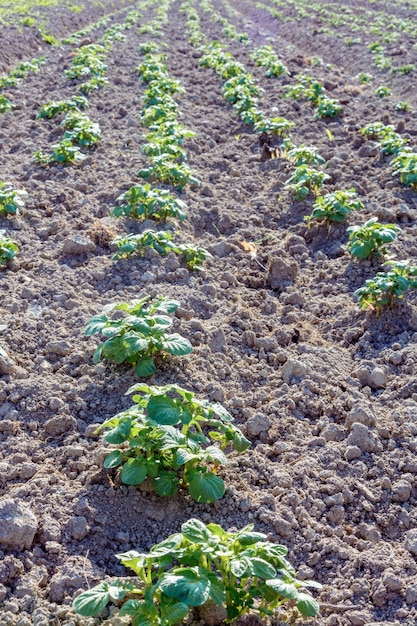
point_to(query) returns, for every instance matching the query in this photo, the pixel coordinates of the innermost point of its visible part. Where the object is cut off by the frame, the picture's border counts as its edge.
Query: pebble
(77, 245)
(293, 368)
(257, 424)
(361, 414)
(410, 541)
(18, 525)
(363, 438)
(401, 491)
(352, 452)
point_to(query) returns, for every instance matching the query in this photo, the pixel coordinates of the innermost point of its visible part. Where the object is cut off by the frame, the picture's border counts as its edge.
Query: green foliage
(162, 243)
(267, 58)
(5, 104)
(405, 166)
(148, 46)
(167, 444)
(48, 38)
(382, 290)
(80, 129)
(88, 62)
(390, 141)
(140, 335)
(145, 201)
(164, 170)
(52, 109)
(404, 69)
(402, 106)
(371, 238)
(306, 88)
(240, 570)
(301, 155)
(279, 126)
(8, 249)
(63, 152)
(364, 78)
(27, 21)
(383, 92)
(327, 107)
(334, 207)
(306, 180)
(97, 82)
(11, 199)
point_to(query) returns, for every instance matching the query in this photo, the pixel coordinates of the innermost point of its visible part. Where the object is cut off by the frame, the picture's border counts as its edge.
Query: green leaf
(97, 354)
(182, 456)
(206, 487)
(213, 453)
(262, 568)
(163, 410)
(287, 590)
(248, 538)
(173, 438)
(166, 484)
(174, 612)
(167, 546)
(217, 591)
(95, 325)
(190, 586)
(240, 567)
(307, 605)
(114, 459)
(120, 433)
(93, 601)
(134, 343)
(133, 472)
(145, 368)
(114, 350)
(168, 306)
(177, 345)
(240, 443)
(195, 531)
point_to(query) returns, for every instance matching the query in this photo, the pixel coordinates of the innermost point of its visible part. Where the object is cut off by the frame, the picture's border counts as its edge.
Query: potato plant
(334, 207)
(8, 249)
(63, 152)
(11, 200)
(405, 166)
(385, 287)
(140, 335)
(145, 201)
(267, 58)
(162, 243)
(80, 129)
(163, 170)
(327, 107)
(370, 239)
(239, 570)
(306, 180)
(52, 109)
(301, 155)
(5, 104)
(173, 440)
(279, 126)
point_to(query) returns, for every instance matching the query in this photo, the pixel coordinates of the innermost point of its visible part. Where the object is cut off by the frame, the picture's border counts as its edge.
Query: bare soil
(278, 337)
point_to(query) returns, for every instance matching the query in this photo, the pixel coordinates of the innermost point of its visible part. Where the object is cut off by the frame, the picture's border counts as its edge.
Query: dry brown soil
(327, 393)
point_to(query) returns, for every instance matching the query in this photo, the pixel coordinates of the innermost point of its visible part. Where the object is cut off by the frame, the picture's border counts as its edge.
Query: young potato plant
(139, 336)
(267, 58)
(307, 88)
(145, 201)
(390, 142)
(382, 290)
(370, 239)
(5, 104)
(8, 249)
(327, 107)
(240, 571)
(80, 129)
(301, 155)
(306, 180)
(402, 106)
(11, 200)
(52, 109)
(88, 62)
(383, 92)
(405, 166)
(174, 440)
(95, 83)
(163, 170)
(63, 152)
(162, 243)
(279, 126)
(334, 207)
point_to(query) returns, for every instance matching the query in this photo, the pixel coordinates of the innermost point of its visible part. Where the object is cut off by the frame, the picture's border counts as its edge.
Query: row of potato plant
(171, 439)
(15, 77)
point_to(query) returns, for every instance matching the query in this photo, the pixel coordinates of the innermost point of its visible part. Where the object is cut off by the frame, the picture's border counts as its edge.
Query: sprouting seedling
(385, 287)
(334, 207)
(370, 239)
(140, 336)
(8, 249)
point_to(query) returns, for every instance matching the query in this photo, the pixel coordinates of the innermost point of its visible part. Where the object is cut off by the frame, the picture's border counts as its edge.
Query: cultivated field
(232, 122)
